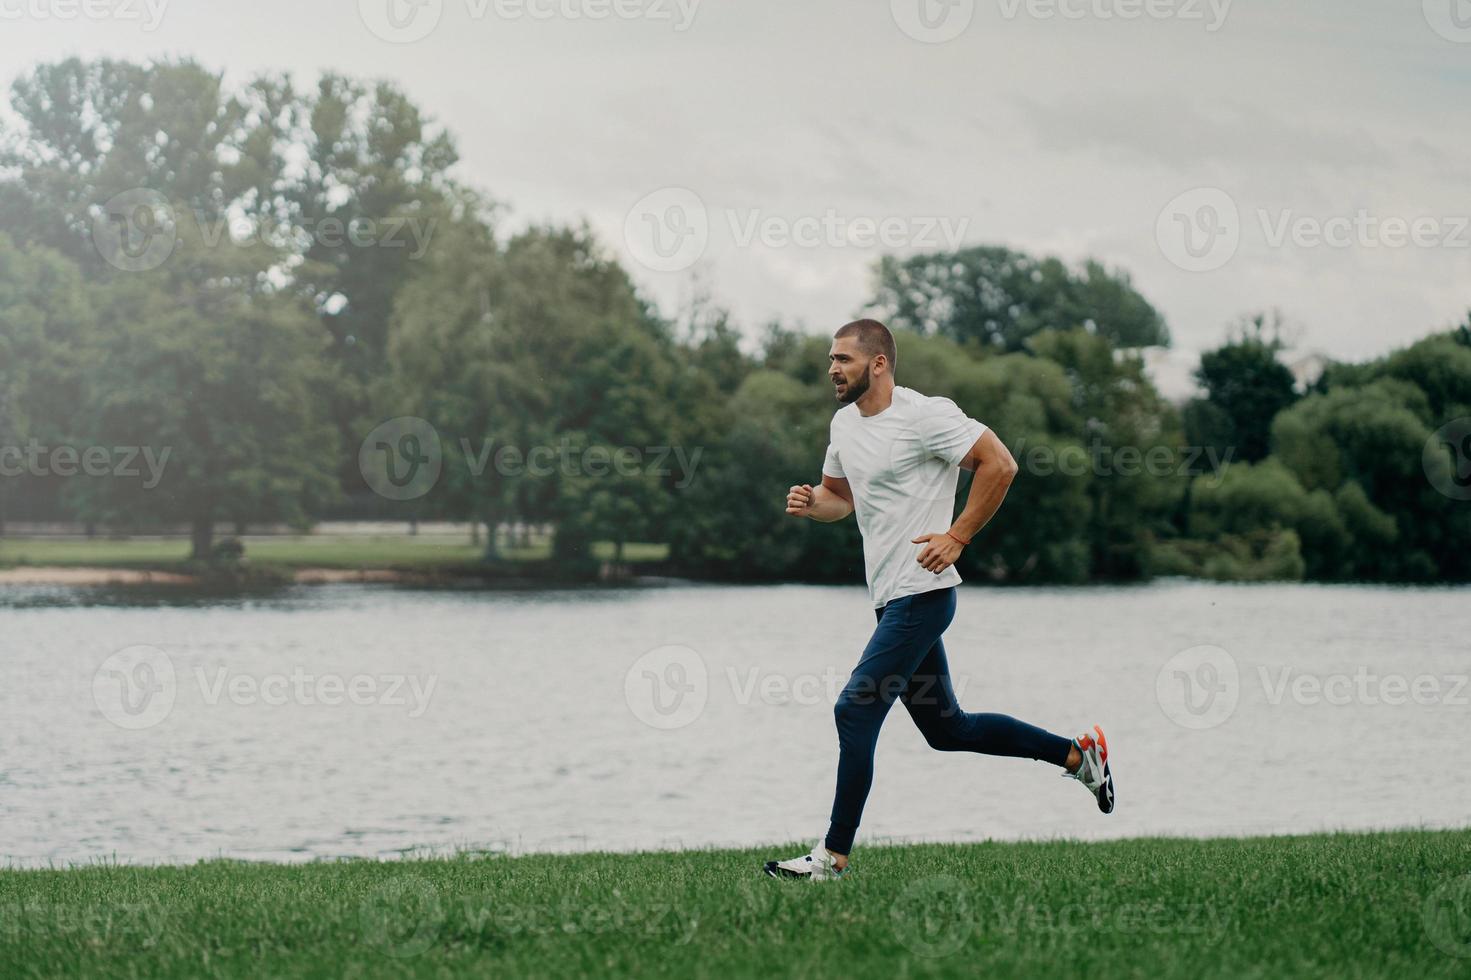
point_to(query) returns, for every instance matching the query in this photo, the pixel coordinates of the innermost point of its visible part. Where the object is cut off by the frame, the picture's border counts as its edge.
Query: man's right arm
(830, 502)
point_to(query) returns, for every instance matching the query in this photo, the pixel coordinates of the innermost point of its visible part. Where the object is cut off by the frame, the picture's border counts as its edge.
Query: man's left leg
(930, 698)
(931, 701)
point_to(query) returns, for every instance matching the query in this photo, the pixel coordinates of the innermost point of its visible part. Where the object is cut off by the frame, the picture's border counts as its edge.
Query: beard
(856, 389)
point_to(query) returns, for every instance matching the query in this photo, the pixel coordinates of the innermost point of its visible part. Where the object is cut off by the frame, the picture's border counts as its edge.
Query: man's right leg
(907, 628)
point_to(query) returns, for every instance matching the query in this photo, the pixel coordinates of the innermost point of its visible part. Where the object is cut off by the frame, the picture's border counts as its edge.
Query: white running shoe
(819, 865)
(1093, 772)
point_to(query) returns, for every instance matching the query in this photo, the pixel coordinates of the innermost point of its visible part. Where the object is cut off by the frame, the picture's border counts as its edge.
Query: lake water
(371, 721)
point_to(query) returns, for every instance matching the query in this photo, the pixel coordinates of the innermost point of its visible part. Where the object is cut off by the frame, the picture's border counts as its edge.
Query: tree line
(248, 282)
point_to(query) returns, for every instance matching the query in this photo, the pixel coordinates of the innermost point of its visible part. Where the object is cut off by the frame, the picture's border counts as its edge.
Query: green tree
(204, 360)
(344, 182)
(1122, 421)
(733, 521)
(544, 347)
(1246, 386)
(455, 364)
(1042, 533)
(998, 298)
(1364, 445)
(46, 323)
(602, 359)
(89, 130)
(1244, 499)
(1440, 366)
(369, 199)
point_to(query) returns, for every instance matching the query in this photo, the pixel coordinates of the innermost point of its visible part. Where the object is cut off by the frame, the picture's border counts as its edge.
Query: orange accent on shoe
(1102, 745)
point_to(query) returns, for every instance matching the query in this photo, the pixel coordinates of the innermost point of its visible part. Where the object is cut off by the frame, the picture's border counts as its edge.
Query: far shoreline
(85, 576)
(186, 579)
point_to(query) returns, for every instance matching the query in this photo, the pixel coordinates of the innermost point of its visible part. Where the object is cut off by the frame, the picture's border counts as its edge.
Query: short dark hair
(873, 339)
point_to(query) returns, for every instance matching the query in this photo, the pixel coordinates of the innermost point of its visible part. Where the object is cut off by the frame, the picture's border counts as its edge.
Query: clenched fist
(799, 501)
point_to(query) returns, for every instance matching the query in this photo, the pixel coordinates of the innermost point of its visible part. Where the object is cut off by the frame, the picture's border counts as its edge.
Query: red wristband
(963, 543)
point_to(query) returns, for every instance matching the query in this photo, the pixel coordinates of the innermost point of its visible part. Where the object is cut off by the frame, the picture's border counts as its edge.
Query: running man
(893, 457)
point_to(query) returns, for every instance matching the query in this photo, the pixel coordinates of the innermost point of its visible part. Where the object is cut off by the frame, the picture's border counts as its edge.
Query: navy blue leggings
(906, 660)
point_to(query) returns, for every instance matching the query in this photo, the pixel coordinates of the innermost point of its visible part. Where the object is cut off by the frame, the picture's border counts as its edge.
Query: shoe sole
(1106, 799)
(774, 870)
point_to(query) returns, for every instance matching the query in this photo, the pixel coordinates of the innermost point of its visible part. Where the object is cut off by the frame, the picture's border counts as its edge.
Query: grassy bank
(1362, 905)
(402, 551)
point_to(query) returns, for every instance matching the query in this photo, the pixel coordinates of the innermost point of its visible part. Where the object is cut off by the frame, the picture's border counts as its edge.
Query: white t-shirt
(902, 465)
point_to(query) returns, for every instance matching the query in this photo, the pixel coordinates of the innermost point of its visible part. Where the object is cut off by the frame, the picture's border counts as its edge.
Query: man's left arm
(994, 470)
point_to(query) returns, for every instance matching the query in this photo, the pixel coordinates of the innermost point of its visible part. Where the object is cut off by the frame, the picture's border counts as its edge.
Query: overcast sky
(1311, 155)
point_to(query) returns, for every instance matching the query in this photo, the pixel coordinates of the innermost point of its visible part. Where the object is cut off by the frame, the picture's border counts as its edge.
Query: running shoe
(818, 865)
(1093, 772)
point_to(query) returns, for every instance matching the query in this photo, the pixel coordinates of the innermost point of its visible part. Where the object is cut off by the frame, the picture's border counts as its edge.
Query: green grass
(96, 551)
(1351, 905)
(301, 551)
